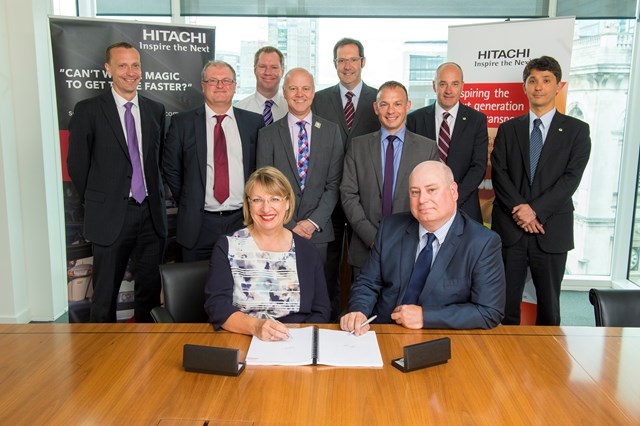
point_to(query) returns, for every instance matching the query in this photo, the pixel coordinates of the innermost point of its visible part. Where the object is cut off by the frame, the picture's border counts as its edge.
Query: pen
(364, 323)
(272, 318)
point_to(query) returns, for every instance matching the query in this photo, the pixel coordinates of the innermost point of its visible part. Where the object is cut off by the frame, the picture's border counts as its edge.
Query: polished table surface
(95, 374)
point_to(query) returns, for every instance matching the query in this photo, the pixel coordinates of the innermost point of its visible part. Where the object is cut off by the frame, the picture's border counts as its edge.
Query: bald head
(298, 91)
(433, 194)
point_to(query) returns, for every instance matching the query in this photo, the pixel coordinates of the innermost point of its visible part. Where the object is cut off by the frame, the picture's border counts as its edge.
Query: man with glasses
(208, 155)
(307, 149)
(268, 67)
(349, 104)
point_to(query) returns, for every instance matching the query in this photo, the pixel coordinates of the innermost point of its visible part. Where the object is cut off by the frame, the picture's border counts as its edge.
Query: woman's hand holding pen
(271, 330)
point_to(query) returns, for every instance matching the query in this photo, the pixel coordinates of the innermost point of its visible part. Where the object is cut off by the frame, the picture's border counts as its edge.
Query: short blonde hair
(272, 181)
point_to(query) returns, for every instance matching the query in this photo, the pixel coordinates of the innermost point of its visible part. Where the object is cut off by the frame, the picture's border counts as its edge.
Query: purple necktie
(137, 180)
(267, 115)
(387, 182)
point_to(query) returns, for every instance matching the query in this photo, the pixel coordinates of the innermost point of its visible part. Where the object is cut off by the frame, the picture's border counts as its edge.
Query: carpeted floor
(575, 309)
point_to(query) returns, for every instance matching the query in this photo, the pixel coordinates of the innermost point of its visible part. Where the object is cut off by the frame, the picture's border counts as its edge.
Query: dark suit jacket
(323, 175)
(100, 167)
(361, 188)
(314, 299)
(468, 153)
(185, 164)
(466, 285)
(563, 159)
(328, 104)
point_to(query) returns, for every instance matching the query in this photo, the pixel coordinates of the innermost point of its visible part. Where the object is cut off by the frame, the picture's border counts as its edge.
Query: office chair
(616, 307)
(183, 286)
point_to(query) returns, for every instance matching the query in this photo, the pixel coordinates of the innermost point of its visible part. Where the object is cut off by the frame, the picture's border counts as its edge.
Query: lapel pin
(464, 118)
(317, 125)
(560, 129)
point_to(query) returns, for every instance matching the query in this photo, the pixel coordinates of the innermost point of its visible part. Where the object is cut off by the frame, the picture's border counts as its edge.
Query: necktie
(387, 182)
(420, 272)
(349, 110)
(220, 162)
(137, 180)
(303, 153)
(535, 147)
(444, 138)
(266, 113)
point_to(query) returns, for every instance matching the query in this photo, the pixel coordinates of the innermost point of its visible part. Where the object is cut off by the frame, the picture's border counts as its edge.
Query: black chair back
(183, 286)
(616, 307)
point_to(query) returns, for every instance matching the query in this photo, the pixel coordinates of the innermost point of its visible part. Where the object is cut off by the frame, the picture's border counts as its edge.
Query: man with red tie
(208, 155)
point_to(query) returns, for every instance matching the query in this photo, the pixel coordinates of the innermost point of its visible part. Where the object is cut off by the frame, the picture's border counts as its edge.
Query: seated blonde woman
(264, 270)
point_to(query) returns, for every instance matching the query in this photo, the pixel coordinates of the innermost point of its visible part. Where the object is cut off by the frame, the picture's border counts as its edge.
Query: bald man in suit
(466, 153)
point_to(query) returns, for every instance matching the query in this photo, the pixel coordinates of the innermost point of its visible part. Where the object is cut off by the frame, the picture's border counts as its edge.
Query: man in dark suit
(537, 163)
(432, 268)
(462, 140)
(351, 99)
(308, 150)
(365, 174)
(114, 144)
(192, 163)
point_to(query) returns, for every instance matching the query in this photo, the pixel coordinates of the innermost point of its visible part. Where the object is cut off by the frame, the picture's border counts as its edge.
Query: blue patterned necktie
(303, 153)
(267, 116)
(137, 180)
(420, 272)
(535, 148)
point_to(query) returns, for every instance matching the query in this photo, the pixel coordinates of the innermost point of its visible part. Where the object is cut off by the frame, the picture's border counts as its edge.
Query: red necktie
(349, 110)
(444, 138)
(220, 162)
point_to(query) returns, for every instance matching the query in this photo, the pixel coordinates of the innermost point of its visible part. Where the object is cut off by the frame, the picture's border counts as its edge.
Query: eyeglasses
(259, 202)
(215, 81)
(342, 61)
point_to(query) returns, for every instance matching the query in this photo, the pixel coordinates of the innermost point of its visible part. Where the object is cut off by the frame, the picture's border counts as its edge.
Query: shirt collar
(210, 112)
(440, 233)
(546, 118)
(120, 101)
(356, 90)
(453, 111)
(292, 119)
(277, 99)
(399, 134)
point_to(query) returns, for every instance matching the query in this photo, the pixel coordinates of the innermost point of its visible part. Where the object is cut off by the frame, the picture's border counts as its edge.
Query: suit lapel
(522, 134)
(317, 147)
(336, 103)
(145, 123)
(410, 151)
(375, 157)
(430, 121)
(284, 139)
(445, 255)
(244, 140)
(200, 126)
(408, 249)
(110, 111)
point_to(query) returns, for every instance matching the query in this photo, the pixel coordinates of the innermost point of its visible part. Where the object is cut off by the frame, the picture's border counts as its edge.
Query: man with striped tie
(268, 67)
(461, 133)
(307, 149)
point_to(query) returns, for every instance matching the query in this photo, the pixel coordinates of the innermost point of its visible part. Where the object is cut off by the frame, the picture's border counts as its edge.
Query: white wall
(32, 240)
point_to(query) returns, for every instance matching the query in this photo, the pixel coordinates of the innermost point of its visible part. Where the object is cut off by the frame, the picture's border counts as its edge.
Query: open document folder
(313, 346)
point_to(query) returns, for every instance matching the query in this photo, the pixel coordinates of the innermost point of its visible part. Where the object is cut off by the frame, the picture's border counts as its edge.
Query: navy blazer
(314, 299)
(100, 167)
(465, 288)
(562, 162)
(468, 153)
(185, 164)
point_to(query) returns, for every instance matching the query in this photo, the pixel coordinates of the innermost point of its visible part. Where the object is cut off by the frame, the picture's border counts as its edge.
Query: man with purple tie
(376, 170)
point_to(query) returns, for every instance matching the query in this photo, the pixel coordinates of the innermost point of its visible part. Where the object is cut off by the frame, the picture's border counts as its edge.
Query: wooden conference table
(94, 374)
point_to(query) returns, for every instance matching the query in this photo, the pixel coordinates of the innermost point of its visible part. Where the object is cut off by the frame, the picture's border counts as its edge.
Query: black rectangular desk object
(211, 360)
(423, 355)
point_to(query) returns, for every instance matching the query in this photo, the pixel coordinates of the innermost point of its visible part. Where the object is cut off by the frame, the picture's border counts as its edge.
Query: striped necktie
(444, 138)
